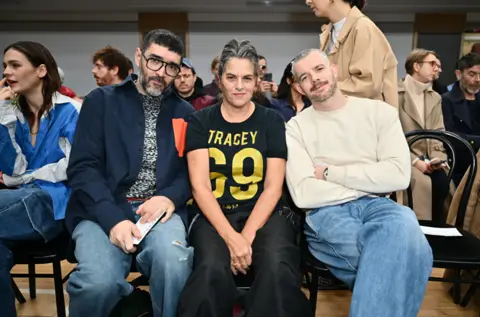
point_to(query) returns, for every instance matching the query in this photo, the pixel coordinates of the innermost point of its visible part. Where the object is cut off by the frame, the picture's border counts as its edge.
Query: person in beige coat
(366, 64)
(420, 108)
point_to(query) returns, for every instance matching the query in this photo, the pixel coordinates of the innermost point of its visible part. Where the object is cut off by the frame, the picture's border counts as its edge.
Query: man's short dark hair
(111, 57)
(164, 38)
(260, 57)
(468, 61)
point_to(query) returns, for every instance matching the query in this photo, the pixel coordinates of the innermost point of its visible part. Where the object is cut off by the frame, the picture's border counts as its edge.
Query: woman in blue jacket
(289, 100)
(36, 131)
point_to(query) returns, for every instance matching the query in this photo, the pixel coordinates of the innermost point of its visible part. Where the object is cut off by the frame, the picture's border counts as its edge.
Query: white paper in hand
(146, 227)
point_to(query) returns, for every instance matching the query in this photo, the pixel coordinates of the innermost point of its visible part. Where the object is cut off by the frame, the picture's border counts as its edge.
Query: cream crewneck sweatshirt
(362, 143)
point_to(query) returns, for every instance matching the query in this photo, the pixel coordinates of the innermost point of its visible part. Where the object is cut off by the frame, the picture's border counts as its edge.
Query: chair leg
(471, 291)
(313, 291)
(456, 286)
(31, 280)
(18, 294)
(468, 296)
(57, 279)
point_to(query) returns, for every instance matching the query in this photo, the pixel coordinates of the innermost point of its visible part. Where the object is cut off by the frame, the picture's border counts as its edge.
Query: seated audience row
(132, 162)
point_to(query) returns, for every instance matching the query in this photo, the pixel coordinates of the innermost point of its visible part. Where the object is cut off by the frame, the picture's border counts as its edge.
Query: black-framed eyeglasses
(155, 64)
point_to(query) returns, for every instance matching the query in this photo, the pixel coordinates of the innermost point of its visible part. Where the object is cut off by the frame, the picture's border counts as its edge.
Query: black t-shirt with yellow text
(238, 153)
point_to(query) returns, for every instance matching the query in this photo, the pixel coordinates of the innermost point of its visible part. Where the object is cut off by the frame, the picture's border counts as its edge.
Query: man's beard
(328, 94)
(469, 89)
(151, 90)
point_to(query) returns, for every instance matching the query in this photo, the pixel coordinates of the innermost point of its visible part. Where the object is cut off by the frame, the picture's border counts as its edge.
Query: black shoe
(137, 304)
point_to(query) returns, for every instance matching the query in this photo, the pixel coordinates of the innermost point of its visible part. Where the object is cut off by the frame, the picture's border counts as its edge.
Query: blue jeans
(26, 215)
(377, 248)
(98, 283)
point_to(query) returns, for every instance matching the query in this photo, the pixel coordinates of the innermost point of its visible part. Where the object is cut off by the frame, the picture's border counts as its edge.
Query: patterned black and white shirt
(144, 186)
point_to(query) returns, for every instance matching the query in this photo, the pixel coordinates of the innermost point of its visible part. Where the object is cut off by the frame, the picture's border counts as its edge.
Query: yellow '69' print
(237, 173)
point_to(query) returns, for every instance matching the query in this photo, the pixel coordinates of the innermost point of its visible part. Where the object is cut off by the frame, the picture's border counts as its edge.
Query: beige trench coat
(367, 66)
(410, 120)
(472, 215)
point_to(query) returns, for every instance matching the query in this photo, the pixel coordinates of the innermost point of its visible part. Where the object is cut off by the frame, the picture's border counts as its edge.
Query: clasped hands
(123, 232)
(240, 246)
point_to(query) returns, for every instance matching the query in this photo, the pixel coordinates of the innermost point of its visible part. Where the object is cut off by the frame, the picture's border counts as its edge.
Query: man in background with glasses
(129, 165)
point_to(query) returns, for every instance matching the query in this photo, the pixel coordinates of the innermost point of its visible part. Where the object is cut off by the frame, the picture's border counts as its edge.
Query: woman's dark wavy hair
(284, 90)
(37, 54)
(360, 4)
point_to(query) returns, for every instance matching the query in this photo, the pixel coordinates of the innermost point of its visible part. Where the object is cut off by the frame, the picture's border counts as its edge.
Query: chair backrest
(447, 138)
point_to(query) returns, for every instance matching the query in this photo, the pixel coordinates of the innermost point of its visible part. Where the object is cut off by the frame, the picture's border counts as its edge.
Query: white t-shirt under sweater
(362, 143)
(336, 28)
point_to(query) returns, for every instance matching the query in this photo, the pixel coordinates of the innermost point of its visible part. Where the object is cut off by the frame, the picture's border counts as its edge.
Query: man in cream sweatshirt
(344, 155)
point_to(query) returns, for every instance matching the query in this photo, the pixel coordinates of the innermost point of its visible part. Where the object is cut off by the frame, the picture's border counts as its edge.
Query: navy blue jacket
(459, 117)
(463, 119)
(108, 149)
(283, 107)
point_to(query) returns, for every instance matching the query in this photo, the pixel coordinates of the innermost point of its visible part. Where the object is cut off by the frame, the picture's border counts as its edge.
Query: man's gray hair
(238, 49)
(304, 54)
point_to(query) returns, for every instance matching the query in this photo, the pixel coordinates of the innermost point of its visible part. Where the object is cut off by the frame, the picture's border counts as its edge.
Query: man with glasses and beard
(461, 109)
(129, 166)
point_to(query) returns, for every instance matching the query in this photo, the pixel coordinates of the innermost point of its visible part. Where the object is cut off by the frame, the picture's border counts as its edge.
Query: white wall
(73, 45)
(278, 42)
(278, 46)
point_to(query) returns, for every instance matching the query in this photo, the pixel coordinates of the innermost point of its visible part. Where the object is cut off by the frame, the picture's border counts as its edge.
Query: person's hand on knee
(154, 207)
(122, 235)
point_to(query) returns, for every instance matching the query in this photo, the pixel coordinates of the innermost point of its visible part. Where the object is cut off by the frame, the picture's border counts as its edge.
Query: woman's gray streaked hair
(238, 49)
(304, 54)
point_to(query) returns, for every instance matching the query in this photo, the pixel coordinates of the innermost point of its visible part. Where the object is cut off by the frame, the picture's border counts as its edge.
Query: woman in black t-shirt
(236, 153)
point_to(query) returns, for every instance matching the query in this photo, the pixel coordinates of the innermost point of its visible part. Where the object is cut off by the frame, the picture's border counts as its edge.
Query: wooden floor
(437, 302)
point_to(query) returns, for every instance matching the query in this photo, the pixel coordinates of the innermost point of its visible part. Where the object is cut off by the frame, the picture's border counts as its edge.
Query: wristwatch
(325, 174)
